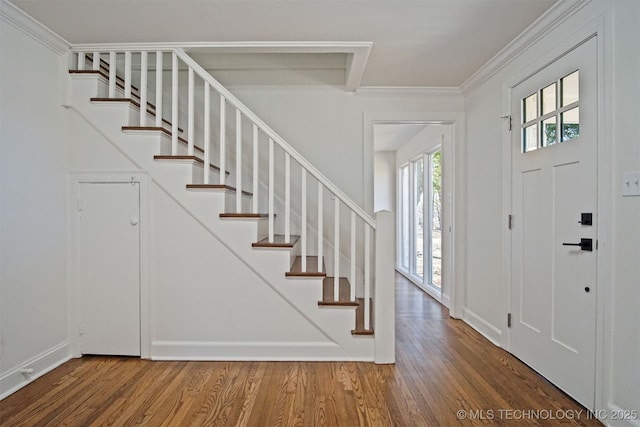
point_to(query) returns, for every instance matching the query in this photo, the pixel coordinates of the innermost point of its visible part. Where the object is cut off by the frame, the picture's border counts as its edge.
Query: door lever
(585, 244)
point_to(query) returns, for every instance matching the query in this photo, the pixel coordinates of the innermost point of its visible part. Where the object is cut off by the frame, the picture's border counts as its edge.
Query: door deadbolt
(586, 218)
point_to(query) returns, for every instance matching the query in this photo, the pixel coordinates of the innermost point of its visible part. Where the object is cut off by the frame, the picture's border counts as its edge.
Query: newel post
(384, 289)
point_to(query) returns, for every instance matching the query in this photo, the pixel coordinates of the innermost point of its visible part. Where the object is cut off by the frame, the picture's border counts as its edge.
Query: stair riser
(206, 201)
(231, 203)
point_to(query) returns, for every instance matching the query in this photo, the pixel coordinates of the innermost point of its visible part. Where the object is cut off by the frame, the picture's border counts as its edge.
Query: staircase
(216, 158)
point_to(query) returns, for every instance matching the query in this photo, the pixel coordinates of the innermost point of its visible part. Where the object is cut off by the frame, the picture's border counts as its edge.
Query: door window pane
(530, 138)
(549, 99)
(570, 88)
(549, 130)
(570, 124)
(530, 108)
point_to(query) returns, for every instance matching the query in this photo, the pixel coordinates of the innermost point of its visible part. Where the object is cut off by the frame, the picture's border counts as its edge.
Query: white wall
(326, 125)
(33, 209)
(619, 294)
(384, 178)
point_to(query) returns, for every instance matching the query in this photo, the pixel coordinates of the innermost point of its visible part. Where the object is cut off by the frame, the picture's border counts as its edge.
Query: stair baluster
(238, 161)
(190, 114)
(112, 74)
(352, 276)
(159, 69)
(256, 176)
(174, 105)
(223, 140)
(303, 220)
(336, 250)
(143, 88)
(271, 190)
(96, 61)
(287, 197)
(320, 226)
(127, 74)
(207, 131)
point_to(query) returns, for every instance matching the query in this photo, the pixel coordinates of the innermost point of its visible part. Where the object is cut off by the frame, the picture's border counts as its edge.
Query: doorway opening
(415, 157)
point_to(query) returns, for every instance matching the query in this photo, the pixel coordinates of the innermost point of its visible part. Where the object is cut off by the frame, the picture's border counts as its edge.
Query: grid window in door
(551, 115)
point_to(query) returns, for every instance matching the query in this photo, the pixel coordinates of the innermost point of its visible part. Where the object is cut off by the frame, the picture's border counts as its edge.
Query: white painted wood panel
(109, 268)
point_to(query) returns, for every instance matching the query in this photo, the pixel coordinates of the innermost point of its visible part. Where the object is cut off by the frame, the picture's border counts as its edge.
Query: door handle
(585, 244)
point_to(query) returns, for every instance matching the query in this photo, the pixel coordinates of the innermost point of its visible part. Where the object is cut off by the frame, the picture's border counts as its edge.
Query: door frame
(597, 29)
(456, 253)
(75, 179)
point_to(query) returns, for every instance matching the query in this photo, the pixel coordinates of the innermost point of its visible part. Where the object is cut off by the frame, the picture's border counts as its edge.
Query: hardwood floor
(446, 375)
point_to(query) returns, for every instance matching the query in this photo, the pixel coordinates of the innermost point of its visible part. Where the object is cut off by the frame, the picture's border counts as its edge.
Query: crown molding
(550, 20)
(413, 91)
(14, 16)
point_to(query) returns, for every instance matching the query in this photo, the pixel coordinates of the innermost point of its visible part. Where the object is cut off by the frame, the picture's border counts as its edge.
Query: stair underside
(311, 271)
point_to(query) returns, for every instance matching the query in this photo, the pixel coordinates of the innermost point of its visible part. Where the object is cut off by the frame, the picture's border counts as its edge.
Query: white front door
(109, 268)
(553, 283)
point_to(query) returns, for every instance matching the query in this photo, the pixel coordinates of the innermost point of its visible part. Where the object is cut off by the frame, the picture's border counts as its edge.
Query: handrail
(224, 92)
(203, 74)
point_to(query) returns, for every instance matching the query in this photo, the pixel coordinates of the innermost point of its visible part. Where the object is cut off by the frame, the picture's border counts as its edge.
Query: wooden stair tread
(360, 330)
(312, 264)
(216, 187)
(344, 294)
(244, 215)
(278, 242)
(186, 157)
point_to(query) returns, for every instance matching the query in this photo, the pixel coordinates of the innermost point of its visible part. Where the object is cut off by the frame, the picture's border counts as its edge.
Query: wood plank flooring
(443, 367)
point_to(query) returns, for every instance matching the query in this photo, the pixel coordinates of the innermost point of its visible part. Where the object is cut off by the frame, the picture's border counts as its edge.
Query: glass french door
(420, 219)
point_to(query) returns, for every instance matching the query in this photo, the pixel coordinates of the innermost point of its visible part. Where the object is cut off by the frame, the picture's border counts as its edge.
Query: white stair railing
(134, 63)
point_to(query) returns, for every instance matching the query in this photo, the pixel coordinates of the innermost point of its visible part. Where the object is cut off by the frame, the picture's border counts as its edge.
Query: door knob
(134, 221)
(585, 244)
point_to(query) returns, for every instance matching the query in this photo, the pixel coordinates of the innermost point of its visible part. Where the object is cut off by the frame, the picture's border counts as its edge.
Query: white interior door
(109, 268)
(553, 286)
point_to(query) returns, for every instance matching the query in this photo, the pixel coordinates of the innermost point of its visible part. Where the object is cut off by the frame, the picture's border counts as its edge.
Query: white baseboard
(485, 328)
(244, 351)
(615, 416)
(13, 380)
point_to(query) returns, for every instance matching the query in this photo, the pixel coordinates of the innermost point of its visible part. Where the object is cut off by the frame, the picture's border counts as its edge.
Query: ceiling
(430, 43)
